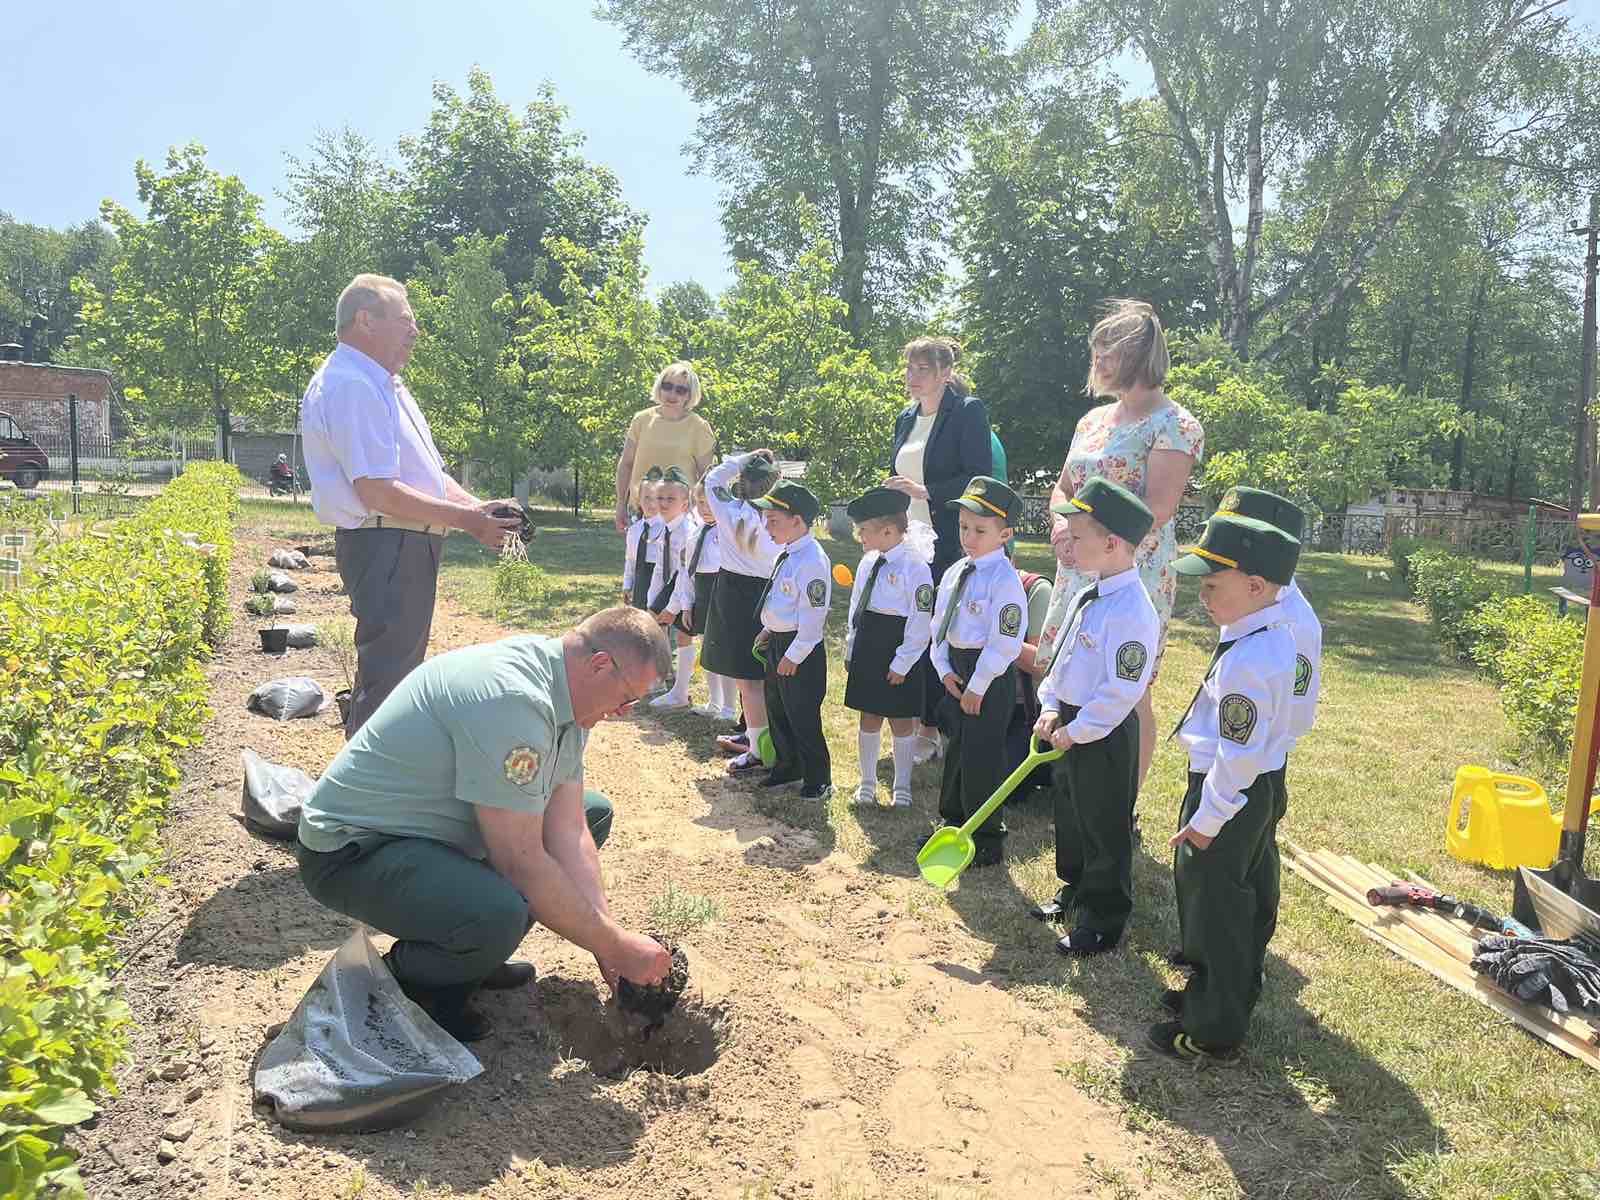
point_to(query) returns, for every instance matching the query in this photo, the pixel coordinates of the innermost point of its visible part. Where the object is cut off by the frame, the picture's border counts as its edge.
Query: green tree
(685, 309)
(176, 318)
(478, 167)
(1067, 203)
(1348, 110)
(460, 371)
(37, 267)
(855, 106)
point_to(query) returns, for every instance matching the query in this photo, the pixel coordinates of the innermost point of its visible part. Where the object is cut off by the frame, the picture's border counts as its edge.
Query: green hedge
(1533, 656)
(101, 688)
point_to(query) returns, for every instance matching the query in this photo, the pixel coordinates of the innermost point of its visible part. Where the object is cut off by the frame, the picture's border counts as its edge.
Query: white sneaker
(669, 701)
(729, 714)
(866, 795)
(707, 710)
(902, 797)
(928, 749)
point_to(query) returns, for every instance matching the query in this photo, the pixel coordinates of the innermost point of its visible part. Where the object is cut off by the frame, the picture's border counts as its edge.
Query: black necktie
(699, 545)
(639, 548)
(955, 599)
(866, 593)
(767, 591)
(666, 552)
(1216, 656)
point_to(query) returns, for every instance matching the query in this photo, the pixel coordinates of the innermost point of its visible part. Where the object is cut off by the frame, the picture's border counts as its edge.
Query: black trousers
(392, 579)
(1223, 897)
(794, 713)
(975, 759)
(1096, 783)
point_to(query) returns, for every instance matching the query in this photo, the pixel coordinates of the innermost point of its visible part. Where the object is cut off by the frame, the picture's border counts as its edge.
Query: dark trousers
(455, 918)
(1096, 783)
(794, 713)
(944, 557)
(391, 577)
(975, 759)
(1270, 871)
(1223, 892)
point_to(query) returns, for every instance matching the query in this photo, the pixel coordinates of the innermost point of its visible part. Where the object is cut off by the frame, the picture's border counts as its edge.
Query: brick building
(36, 395)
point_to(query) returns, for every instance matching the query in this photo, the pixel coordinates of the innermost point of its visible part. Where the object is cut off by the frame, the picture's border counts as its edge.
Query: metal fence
(1494, 538)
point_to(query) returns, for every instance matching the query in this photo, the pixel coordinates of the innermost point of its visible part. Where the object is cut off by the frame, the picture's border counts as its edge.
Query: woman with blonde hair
(1150, 446)
(668, 434)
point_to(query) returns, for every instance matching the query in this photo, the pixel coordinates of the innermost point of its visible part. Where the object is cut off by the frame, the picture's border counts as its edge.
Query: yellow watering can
(1502, 821)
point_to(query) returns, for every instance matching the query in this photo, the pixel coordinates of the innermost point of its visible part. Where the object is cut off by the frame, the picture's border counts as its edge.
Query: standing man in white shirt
(377, 476)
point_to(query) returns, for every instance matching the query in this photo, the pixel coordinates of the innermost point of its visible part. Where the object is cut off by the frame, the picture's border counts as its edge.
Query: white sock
(719, 696)
(680, 686)
(904, 747)
(752, 735)
(868, 745)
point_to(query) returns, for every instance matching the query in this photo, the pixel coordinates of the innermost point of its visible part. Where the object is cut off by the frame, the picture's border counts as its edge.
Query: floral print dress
(1121, 453)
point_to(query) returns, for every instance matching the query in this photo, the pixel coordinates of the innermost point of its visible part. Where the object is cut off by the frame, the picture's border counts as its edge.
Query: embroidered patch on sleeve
(1010, 620)
(1302, 675)
(1236, 717)
(925, 598)
(522, 764)
(1131, 657)
(816, 592)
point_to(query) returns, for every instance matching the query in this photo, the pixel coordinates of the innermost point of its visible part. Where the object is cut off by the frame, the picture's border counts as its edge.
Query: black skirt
(732, 626)
(867, 688)
(705, 584)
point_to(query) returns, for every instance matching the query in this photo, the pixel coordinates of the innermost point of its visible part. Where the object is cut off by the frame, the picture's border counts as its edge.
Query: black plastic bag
(273, 795)
(357, 1056)
(285, 699)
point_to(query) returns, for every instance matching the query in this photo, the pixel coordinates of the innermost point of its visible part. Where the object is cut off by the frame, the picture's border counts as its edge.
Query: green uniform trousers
(1094, 790)
(1269, 873)
(975, 758)
(1223, 893)
(794, 713)
(455, 918)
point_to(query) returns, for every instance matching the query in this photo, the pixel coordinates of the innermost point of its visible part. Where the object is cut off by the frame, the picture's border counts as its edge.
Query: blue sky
(253, 80)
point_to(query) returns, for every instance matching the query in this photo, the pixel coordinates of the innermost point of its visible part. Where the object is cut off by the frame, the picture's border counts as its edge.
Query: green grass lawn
(1364, 1077)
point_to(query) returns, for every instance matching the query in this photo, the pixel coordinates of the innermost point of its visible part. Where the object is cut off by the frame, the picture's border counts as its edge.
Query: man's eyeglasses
(681, 389)
(626, 687)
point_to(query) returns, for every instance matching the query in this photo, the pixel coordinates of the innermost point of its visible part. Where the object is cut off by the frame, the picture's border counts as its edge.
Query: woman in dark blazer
(941, 441)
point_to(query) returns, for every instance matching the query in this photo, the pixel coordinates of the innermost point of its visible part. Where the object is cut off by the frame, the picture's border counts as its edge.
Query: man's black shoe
(509, 975)
(1085, 943)
(817, 791)
(778, 779)
(1054, 909)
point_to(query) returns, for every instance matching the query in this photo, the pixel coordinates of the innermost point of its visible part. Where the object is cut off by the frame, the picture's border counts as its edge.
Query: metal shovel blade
(949, 851)
(1560, 907)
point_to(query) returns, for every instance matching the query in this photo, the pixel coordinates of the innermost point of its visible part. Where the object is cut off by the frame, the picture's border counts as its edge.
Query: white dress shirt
(993, 618)
(904, 588)
(640, 529)
(705, 540)
(802, 586)
(747, 547)
(359, 422)
(1240, 724)
(674, 550)
(1107, 655)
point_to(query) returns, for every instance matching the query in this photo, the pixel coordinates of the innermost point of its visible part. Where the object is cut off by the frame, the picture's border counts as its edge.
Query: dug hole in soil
(837, 1035)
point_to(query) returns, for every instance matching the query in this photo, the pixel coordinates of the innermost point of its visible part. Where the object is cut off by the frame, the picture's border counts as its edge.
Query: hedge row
(1534, 656)
(101, 688)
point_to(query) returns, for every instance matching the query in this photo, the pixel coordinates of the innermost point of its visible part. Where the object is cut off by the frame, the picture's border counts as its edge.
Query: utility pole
(1585, 474)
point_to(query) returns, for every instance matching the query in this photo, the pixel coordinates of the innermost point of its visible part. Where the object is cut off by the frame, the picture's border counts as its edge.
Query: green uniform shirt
(488, 724)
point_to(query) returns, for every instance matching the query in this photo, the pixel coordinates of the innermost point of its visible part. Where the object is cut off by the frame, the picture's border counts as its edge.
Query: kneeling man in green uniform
(457, 816)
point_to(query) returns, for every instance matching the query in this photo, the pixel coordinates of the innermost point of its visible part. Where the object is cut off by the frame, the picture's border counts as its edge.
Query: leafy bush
(101, 688)
(1401, 550)
(1451, 589)
(1537, 658)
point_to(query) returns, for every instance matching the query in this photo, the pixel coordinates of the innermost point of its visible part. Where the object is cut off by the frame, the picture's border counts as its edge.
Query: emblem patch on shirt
(816, 592)
(1302, 675)
(1236, 717)
(723, 494)
(522, 764)
(1131, 657)
(786, 587)
(925, 598)
(1010, 620)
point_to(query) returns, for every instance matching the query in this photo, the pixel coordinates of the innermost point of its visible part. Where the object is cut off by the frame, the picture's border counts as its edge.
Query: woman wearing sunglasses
(665, 435)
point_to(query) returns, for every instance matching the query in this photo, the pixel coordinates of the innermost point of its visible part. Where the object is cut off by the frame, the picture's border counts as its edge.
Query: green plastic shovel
(765, 750)
(949, 851)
